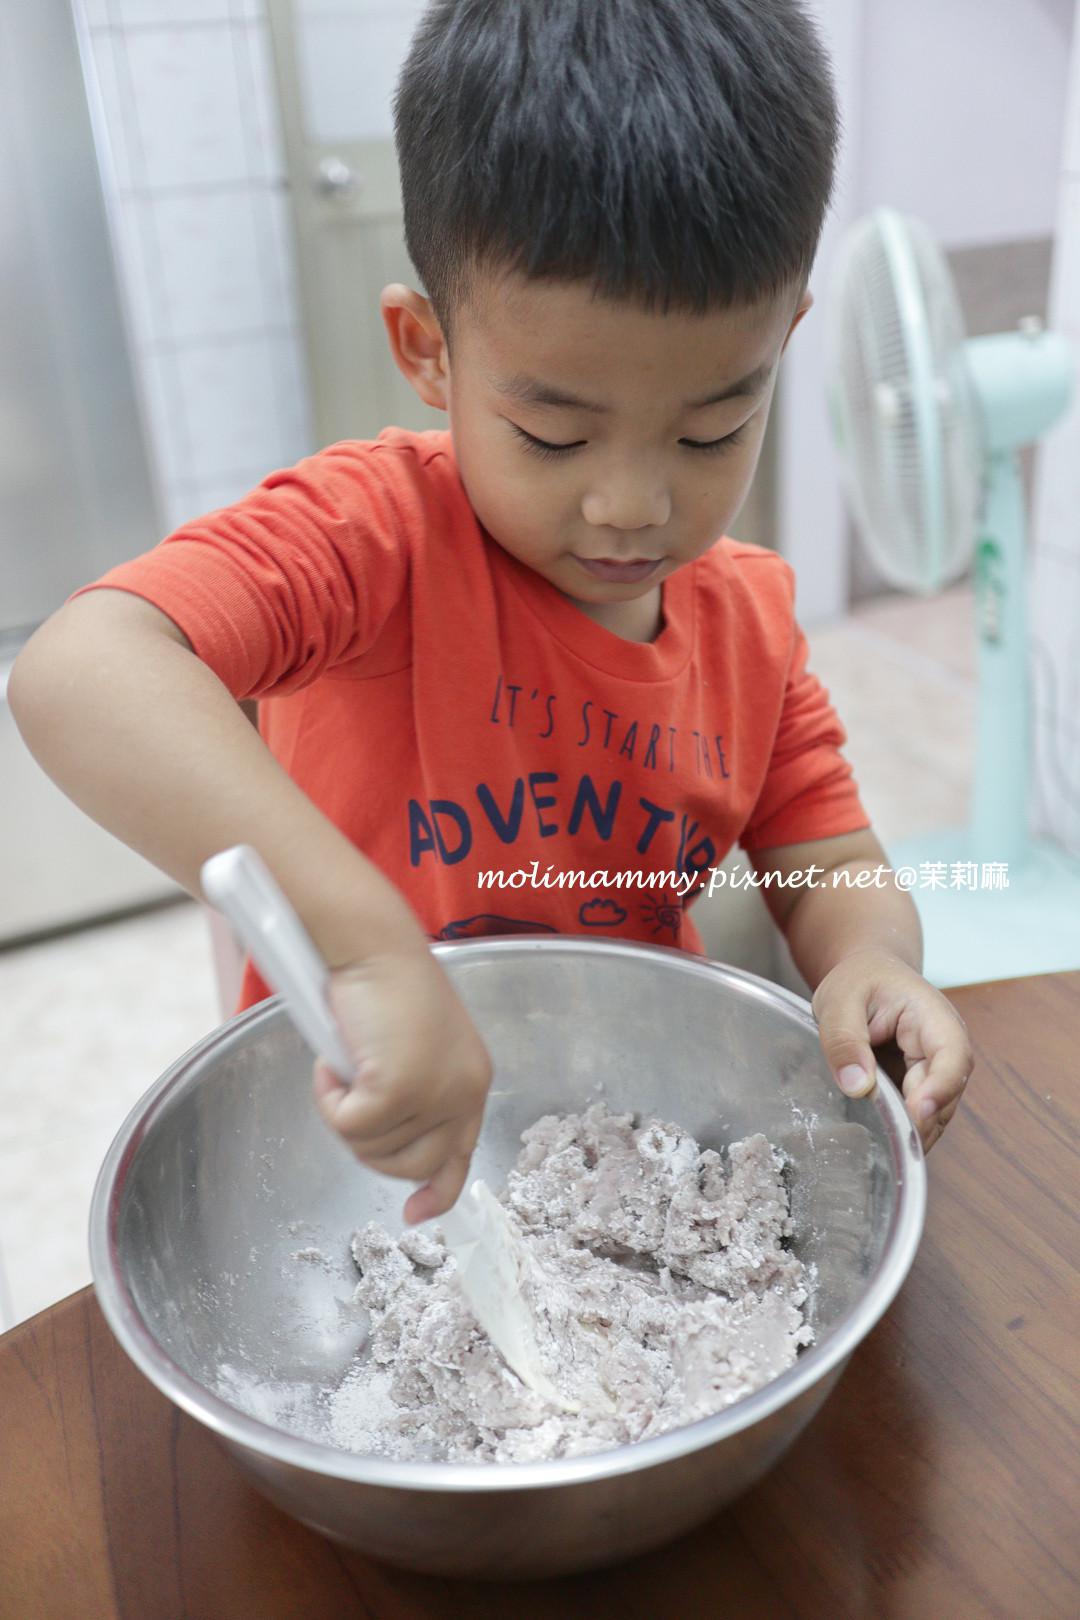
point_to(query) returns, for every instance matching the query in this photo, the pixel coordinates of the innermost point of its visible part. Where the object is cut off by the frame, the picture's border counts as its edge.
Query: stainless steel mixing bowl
(224, 1188)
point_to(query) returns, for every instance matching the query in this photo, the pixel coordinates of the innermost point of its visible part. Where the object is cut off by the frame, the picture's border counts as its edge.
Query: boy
(524, 639)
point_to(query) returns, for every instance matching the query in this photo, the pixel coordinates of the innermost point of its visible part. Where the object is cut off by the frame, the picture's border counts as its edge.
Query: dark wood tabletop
(939, 1480)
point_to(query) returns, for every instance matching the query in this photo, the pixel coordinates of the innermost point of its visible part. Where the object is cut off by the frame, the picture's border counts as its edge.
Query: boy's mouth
(619, 573)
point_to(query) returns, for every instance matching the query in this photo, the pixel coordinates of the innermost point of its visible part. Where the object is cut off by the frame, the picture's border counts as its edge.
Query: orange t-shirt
(452, 713)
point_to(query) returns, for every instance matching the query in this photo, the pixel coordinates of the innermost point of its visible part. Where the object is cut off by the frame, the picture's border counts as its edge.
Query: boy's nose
(624, 507)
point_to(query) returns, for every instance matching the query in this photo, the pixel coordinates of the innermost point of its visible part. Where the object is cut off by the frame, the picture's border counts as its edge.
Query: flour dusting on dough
(659, 1280)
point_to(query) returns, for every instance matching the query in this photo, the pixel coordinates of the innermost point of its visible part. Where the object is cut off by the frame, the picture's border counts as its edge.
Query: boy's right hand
(417, 1098)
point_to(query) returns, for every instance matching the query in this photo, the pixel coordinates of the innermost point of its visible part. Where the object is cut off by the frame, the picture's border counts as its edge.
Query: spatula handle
(240, 884)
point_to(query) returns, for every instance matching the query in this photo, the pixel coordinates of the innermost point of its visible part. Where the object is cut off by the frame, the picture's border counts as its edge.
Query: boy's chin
(578, 582)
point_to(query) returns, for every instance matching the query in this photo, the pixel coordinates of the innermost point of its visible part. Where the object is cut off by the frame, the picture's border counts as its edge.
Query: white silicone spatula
(491, 1260)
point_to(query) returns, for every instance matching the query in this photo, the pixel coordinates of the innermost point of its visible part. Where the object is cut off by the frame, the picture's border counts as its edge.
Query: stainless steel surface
(490, 1258)
(77, 489)
(224, 1171)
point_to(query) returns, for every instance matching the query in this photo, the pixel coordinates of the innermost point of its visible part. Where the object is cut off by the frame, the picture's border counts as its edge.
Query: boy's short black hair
(678, 153)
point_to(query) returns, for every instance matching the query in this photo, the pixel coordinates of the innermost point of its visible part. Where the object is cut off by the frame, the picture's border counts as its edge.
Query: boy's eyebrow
(528, 390)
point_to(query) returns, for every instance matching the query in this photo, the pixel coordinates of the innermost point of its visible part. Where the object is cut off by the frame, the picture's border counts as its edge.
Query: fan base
(973, 935)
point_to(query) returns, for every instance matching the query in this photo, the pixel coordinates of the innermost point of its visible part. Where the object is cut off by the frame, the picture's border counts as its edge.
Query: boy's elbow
(61, 657)
(27, 683)
(51, 667)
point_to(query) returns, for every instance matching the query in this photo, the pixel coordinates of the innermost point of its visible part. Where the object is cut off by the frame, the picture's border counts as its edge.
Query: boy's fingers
(914, 1082)
(337, 1104)
(945, 1069)
(845, 1040)
(384, 1145)
(423, 1158)
(441, 1192)
(944, 1115)
(932, 1136)
(327, 1084)
(385, 1150)
(359, 1111)
(931, 1126)
(444, 1187)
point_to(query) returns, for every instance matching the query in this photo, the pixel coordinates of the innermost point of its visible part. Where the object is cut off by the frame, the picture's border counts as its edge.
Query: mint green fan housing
(929, 424)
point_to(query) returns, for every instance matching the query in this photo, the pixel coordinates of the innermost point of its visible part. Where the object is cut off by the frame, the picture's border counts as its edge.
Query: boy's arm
(145, 738)
(860, 951)
(827, 922)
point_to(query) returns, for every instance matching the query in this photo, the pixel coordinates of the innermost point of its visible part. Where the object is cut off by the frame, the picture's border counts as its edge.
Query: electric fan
(928, 424)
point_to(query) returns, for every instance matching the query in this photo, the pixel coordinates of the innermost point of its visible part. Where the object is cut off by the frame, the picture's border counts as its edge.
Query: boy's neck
(638, 620)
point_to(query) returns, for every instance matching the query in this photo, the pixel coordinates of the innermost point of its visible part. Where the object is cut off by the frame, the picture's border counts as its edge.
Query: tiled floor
(89, 1021)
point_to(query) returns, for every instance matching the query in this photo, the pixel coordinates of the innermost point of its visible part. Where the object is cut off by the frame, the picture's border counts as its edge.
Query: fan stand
(981, 932)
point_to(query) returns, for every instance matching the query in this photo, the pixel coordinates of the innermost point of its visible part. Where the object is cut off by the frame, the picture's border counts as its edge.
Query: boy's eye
(541, 447)
(715, 444)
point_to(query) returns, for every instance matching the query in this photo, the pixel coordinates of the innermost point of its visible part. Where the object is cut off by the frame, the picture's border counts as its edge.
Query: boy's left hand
(873, 995)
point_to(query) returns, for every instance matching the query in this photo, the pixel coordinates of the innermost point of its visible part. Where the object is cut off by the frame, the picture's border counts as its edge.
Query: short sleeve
(296, 577)
(809, 789)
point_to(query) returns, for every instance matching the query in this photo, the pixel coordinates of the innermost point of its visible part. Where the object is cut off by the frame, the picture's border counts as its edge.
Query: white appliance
(76, 482)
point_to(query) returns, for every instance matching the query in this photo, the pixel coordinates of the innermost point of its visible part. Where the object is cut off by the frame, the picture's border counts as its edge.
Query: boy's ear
(805, 303)
(416, 342)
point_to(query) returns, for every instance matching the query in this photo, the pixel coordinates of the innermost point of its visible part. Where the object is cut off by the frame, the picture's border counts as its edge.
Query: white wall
(350, 53)
(963, 110)
(196, 185)
(811, 520)
(954, 113)
(1055, 613)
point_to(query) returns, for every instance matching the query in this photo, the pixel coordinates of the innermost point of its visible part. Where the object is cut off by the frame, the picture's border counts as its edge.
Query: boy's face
(608, 496)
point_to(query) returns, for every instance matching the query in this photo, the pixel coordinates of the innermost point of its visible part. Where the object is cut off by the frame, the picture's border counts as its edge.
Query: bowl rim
(277, 1445)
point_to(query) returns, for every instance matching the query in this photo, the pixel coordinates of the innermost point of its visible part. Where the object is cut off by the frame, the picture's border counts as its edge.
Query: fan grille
(903, 406)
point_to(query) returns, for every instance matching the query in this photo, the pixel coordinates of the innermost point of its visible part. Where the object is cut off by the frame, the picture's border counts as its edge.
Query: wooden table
(938, 1481)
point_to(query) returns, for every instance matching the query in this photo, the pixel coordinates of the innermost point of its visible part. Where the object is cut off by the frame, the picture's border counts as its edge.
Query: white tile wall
(204, 242)
(349, 59)
(1056, 694)
(1055, 606)
(244, 403)
(154, 13)
(1072, 126)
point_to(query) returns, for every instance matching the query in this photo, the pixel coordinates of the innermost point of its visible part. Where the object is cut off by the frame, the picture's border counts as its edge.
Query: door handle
(334, 177)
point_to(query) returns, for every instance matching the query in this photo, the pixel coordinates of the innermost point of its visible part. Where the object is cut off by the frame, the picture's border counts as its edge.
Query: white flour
(661, 1288)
